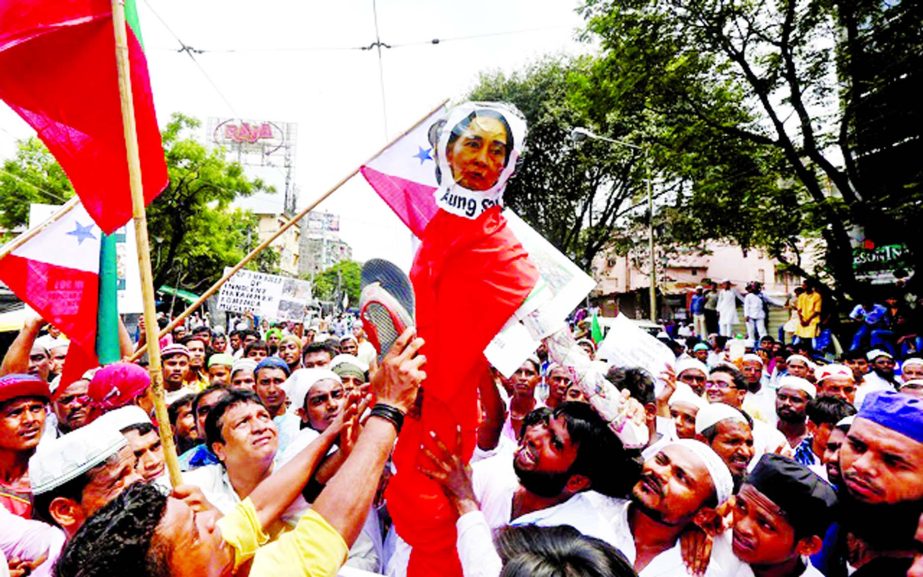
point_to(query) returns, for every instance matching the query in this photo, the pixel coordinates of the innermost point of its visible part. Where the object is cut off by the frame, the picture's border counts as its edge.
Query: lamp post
(578, 134)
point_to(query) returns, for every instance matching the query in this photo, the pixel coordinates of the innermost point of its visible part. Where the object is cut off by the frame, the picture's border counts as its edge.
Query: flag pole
(144, 255)
(291, 222)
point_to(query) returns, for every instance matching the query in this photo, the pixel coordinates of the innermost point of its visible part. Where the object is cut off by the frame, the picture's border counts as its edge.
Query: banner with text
(266, 295)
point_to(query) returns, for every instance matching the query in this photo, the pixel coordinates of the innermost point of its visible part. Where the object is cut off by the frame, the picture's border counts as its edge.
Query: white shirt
(871, 383)
(753, 307)
(669, 563)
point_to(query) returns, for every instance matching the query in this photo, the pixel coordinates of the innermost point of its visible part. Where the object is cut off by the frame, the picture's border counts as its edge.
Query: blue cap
(273, 363)
(899, 412)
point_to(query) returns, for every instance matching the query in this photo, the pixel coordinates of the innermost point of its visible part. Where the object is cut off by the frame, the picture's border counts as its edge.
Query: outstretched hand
(446, 468)
(398, 379)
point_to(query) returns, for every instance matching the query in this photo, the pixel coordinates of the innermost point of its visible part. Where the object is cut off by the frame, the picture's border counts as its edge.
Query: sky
(299, 62)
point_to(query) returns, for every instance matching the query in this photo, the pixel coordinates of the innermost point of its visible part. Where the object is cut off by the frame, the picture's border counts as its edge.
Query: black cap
(807, 500)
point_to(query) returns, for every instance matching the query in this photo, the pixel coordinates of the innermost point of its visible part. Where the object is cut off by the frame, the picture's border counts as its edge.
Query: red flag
(58, 71)
(404, 176)
(57, 273)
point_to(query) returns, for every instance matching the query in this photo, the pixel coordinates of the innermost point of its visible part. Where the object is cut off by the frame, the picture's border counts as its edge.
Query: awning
(179, 293)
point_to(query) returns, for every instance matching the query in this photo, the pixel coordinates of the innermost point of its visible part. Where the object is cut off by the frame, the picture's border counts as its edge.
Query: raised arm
(16, 359)
(345, 501)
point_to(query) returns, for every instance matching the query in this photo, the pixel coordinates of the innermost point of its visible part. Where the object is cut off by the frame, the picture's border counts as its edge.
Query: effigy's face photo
(478, 151)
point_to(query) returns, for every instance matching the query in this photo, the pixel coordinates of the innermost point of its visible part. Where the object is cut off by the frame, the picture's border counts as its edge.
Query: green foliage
(759, 107)
(344, 276)
(33, 176)
(193, 230)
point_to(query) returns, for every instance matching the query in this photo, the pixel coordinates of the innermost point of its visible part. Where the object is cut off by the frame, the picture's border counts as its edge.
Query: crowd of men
(759, 462)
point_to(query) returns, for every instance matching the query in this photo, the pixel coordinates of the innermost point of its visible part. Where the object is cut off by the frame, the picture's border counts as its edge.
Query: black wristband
(389, 413)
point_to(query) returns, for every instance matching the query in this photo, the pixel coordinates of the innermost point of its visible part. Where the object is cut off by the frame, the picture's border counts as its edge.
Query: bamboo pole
(214, 288)
(144, 256)
(25, 237)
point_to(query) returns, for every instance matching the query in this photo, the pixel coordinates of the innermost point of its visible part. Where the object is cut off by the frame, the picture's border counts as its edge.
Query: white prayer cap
(239, 364)
(846, 421)
(752, 357)
(875, 353)
(801, 358)
(123, 417)
(799, 384)
(58, 461)
(714, 414)
(348, 359)
(687, 363)
(684, 394)
(833, 370)
(300, 383)
(912, 361)
(717, 470)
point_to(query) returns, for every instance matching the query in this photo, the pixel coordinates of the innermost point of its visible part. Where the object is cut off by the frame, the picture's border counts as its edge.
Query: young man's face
(884, 366)
(269, 388)
(752, 371)
(185, 427)
(798, 368)
(22, 420)
(323, 404)
(546, 447)
(674, 485)
(257, 354)
(695, 379)
(39, 363)
(174, 371)
(762, 535)
(842, 387)
(109, 480)
(203, 408)
(831, 456)
(71, 406)
(219, 375)
(720, 388)
(243, 379)
(194, 541)
(791, 405)
(880, 465)
(859, 368)
(148, 453)
(524, 380)
(558, 380)
(683, 416)
(290, 352)
(317, 359)
(734, 444)
(196, 354)
(250, 437)
(349, 347)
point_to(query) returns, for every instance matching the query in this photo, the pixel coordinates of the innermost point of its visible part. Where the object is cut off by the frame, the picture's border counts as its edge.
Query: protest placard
(266, 295)
(561, 287)
(628, 345)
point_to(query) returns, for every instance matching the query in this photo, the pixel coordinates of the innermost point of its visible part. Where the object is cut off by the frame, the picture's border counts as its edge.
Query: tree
(32, 177)
(572, 195)
(343, 277)
(208, 235)
(194, 232)
(765, 76)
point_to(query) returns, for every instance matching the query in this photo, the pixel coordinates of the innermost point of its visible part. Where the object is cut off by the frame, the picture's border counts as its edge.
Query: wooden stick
(214, 288)
(144, 255)
(25, 237)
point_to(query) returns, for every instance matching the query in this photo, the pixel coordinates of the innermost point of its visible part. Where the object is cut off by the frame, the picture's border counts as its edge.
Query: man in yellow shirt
(808, 308)
(146, 534)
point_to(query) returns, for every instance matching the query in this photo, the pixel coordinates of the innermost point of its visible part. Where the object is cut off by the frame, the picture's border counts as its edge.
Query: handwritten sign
(265, 295)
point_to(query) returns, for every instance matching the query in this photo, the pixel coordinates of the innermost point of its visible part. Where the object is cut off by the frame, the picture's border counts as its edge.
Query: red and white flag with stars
(57, 273)
(404, 176)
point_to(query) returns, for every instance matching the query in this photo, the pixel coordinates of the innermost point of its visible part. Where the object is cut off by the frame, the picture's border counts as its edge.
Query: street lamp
(579, 134)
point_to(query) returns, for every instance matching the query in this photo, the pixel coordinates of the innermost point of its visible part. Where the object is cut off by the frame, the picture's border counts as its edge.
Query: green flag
(596, 331)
